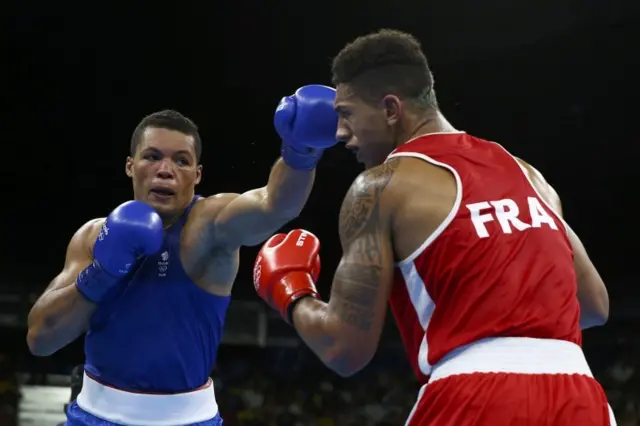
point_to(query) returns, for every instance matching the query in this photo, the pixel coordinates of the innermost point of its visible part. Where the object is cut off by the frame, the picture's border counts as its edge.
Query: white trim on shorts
(517, 355)
(136, 409)
(523, 355)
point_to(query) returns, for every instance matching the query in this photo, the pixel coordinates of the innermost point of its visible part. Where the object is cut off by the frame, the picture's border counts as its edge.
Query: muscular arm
(592, 293)
(345, 332)
(250, 218)
(61, 314)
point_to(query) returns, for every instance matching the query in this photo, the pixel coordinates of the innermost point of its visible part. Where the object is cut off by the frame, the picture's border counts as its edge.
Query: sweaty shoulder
(85, 236)
(210, 206)
(79, 253)
(203, 215)
(543, 188)
(374, 189)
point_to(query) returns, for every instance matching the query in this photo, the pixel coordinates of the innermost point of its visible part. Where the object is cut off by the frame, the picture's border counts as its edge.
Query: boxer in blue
(151, 283)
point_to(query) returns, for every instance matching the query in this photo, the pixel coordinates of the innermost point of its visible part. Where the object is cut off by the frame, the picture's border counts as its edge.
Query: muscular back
(480, 251)
(425, 195)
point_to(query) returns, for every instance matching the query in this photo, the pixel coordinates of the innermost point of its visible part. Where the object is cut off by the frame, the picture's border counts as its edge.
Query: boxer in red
(488, 285)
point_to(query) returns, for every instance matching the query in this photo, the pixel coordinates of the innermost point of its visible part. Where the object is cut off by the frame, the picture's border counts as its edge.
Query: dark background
(553, 81)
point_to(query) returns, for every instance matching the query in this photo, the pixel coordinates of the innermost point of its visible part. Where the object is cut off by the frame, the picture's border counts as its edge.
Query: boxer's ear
(198, 173)
(128, 167)
(392, 109)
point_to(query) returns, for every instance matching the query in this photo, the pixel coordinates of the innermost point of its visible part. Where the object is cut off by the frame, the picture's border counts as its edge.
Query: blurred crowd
(382, 395)
(297, 391)
(621, 382)
(9, 390)
(289, 387)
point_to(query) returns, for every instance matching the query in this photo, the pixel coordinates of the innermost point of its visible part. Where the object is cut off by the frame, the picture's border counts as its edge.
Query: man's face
(367, 130)
(164, 170)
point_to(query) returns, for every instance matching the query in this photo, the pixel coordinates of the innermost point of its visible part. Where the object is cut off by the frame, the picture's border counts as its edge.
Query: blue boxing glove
(132, 230)
(307, 124)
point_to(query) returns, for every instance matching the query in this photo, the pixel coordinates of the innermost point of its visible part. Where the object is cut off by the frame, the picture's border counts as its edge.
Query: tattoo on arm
(357, 281)
(355, 294)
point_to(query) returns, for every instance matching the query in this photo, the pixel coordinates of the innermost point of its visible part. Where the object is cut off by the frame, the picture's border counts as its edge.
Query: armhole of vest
(452, 214)
(526, 176)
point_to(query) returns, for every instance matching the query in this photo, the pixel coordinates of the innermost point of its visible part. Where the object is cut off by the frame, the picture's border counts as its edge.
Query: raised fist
(286, 270)
(307, 123)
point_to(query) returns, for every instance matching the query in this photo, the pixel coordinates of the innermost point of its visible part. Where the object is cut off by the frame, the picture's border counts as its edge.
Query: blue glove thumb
(307, 118)
(285, 116)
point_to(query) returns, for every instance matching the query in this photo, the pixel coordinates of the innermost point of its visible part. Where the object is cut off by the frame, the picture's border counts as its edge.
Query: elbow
(593, 320)
(39, 338)
(603, 314)
(603, 311)
(37, 343)
(345, 373)
(601, 317)
(596, 316)
(35, 336)
(348, 360)
(594, 308)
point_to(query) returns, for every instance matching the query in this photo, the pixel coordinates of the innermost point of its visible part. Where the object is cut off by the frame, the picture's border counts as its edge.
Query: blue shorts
(76, 416)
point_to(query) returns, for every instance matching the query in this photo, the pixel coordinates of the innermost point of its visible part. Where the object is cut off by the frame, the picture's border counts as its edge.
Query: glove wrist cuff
(300, 158)
(93, 282)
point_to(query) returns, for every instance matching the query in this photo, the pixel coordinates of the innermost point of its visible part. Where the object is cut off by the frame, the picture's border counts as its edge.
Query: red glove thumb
(285, 270)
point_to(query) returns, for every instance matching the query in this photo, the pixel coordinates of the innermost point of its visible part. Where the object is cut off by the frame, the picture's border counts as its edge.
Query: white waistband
(134, 409)
(513, 355)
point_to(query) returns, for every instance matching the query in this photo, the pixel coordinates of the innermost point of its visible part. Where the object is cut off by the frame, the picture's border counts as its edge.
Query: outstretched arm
(345, 332)
(307, 124)
(250, 218)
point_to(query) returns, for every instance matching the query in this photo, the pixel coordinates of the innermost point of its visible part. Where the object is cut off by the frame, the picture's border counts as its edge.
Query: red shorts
(521, 387)
(507, 399)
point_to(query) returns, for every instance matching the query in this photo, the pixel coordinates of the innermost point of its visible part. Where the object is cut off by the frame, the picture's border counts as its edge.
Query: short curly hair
(386, 62)
(166, 119)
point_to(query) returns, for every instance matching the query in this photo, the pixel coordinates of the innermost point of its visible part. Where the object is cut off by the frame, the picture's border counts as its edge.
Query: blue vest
(156, 331)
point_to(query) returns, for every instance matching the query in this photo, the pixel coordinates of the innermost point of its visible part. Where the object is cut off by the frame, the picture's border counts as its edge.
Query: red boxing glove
(286, 270)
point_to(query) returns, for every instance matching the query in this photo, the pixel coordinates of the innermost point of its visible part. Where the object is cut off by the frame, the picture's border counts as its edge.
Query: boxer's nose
(165, 171)
(352, 145)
